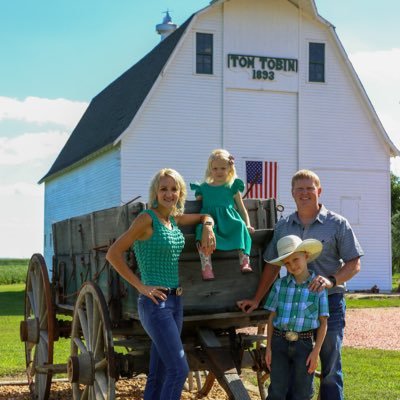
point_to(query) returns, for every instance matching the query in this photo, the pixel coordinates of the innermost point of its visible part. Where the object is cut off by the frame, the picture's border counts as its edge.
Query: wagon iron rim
(37, 328)
(91, 366)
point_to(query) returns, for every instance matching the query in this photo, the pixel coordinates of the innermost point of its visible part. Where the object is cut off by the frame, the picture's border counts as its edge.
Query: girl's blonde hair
(221, 154)
(180, 184)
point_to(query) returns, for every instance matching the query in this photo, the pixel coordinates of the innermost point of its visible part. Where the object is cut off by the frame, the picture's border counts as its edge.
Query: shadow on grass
(12, 303)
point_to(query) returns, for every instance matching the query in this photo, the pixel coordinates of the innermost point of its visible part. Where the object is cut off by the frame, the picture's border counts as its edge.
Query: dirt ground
(365, 328)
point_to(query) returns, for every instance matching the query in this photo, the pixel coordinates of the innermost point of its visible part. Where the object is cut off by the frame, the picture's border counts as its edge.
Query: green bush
(13, 270)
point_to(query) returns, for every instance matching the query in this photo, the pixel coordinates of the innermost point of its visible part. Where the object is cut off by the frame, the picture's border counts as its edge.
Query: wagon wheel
(262, 374)
(37, 328)
(200, 381)
(91, 366)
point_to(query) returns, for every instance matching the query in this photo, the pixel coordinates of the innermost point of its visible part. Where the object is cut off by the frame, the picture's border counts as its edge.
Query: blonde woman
(219, 194)
(157, 242)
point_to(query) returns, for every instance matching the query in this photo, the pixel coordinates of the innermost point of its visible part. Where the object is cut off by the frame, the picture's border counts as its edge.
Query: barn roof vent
(166, 27)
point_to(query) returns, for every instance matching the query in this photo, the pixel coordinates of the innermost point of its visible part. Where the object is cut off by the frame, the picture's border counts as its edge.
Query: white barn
(266, 79)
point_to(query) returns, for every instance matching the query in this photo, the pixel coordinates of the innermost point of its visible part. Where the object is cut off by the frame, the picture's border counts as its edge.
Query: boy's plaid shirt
(297, 308)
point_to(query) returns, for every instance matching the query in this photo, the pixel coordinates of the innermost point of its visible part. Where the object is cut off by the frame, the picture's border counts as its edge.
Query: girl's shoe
(245, 268)
(207, 273)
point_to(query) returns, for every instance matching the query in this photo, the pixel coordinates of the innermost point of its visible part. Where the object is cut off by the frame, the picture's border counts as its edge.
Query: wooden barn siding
(331, 116)
(339, 140)
(181, 123)
(257, 130)
(90, 187)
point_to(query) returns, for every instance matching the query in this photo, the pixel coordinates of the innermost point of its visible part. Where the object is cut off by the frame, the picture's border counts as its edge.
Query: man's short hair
(306, 174)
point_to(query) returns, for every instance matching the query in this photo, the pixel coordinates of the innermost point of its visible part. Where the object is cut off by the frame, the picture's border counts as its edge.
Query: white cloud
(21, 215)
(21, 189)
(31, 147)
(40, 110)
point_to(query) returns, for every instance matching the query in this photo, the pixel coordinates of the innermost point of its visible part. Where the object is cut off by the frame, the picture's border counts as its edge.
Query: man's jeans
(168, 365)
(289, 360)
(331, 352)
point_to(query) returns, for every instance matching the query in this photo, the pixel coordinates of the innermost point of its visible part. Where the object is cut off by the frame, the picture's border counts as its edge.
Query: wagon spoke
(264, 378)
(102, 382)
(32, 303)
(99, 344)
(101, 365)
(85, 393)
(76, 393)
(100, 394)
(83, 322)
(81, 346)
(43, 319)
(96, 323)
(44, 337)
(89, 318)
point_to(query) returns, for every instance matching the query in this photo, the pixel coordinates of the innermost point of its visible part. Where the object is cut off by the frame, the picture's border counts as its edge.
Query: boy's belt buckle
(179, 291)
(291, 336)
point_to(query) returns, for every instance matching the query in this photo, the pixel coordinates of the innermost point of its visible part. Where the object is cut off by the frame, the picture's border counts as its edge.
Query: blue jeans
(289, 361)
(331, 351)
(168, 368)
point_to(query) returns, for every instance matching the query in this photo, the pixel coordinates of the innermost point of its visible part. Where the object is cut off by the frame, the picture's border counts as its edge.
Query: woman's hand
(153, 292)
(208, 241)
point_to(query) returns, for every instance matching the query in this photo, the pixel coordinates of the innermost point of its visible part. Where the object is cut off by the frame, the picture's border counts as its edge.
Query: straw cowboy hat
(290, 244)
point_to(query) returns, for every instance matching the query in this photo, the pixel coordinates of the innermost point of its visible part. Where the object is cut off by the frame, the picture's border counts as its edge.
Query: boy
(295, 313)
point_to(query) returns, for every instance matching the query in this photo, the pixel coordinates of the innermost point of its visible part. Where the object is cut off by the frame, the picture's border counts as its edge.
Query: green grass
(371, 374)
(13, 271)
(12, 354)
(372, 302)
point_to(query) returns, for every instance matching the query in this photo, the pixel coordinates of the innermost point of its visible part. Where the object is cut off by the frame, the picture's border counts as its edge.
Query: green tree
(396, 242)
(395, 198)
(395, 193)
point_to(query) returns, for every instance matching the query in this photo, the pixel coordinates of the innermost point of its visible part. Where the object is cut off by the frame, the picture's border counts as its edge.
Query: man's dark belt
(172, 291)
(292, 336)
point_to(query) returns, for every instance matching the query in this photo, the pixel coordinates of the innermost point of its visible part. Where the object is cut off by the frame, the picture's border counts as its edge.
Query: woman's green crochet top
(158, 256)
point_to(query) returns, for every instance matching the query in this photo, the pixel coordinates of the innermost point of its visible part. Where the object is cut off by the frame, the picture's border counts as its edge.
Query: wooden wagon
(108, 342)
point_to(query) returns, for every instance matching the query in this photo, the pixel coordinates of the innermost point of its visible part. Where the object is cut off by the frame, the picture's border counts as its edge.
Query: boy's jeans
(168, 365)
(289, 360)
(331, 352)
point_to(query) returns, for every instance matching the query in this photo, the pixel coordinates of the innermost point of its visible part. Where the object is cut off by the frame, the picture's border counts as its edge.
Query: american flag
(261, 179)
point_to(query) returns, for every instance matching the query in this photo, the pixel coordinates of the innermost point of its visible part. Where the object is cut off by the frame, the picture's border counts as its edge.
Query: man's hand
(247, 305)
(319, 283)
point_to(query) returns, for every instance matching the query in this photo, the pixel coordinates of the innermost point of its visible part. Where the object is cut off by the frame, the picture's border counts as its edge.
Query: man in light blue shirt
(338, 263)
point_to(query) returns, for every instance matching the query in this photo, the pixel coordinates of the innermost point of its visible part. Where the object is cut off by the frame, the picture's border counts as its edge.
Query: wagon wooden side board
(103, 316)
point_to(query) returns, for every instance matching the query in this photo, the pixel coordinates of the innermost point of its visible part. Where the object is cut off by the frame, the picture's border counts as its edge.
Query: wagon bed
(103, 307)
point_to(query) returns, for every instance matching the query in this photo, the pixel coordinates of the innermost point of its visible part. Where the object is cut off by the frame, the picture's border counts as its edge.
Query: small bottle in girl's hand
(219, 193)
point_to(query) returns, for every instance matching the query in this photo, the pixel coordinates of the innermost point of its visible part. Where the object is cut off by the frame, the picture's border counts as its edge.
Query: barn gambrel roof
(113, 109)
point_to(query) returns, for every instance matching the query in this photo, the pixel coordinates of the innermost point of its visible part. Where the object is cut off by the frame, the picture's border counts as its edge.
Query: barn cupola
(166, 27)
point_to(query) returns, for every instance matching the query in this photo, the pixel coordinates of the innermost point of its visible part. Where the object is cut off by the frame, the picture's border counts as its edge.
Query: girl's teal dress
(230, 229)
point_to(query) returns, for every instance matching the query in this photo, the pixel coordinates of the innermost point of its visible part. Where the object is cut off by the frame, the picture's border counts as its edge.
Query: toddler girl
(219, 194)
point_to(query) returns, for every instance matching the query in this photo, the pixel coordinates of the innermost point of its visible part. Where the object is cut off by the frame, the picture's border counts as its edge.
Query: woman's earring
(155, 203)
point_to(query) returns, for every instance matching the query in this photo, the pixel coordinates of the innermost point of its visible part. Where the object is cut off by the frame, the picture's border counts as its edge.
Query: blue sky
(56, 55)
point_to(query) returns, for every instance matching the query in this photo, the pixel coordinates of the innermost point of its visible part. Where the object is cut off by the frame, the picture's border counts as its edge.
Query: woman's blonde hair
(221, 154)
(180, 184)
(306, 174)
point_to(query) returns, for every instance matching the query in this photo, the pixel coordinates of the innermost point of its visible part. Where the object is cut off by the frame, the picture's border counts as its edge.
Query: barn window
(316, 62)
(204, 53)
